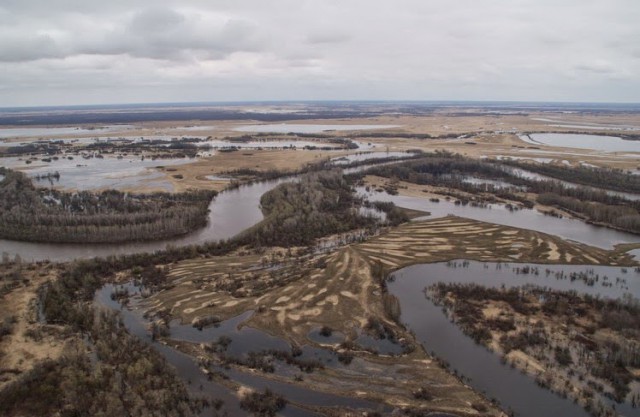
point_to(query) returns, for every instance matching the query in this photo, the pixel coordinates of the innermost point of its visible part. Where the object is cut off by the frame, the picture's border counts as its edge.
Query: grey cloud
(152, 33)
(283, 49)
(156, 20)
(330, 37)
(167, 34)
(596, 67)
(15, 48)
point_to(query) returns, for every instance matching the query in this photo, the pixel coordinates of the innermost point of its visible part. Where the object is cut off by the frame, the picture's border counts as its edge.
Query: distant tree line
(621, 217)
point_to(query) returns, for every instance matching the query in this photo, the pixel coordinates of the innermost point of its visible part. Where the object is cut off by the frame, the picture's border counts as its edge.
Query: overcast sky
(57, 52)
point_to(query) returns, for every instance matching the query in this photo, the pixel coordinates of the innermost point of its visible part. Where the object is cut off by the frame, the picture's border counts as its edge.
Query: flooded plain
(523, 173)
(235, 210)
(243, 341)
(582, 141)
(24, 132)
(95, 173)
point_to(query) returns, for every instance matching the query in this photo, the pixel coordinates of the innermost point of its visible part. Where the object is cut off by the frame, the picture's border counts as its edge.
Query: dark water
(571, 229)
(231, 212)
(433, 329)
(244, 340)
(334, 338)
(380, 346)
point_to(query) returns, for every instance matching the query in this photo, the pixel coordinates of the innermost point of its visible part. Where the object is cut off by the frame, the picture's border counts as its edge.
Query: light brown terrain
(342, 290)
(29, 341)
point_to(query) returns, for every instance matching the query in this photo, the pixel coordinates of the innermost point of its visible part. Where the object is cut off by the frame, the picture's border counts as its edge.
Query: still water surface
(593, 142)
(434, 330)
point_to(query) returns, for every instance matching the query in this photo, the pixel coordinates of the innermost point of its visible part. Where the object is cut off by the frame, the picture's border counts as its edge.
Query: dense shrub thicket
(317, 205)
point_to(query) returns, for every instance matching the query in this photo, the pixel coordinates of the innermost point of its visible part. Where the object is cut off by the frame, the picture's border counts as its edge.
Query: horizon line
(327, 101)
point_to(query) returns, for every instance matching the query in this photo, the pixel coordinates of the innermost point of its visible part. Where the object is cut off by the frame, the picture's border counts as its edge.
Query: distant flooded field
(593, 142)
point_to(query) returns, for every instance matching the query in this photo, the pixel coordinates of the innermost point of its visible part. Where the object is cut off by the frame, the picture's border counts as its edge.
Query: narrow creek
(243, 341)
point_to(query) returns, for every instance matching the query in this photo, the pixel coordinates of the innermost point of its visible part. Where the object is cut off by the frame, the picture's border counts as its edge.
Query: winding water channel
(243, 341)
(571, 229)
(231, 212)
(236, 210)
(434, 330)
